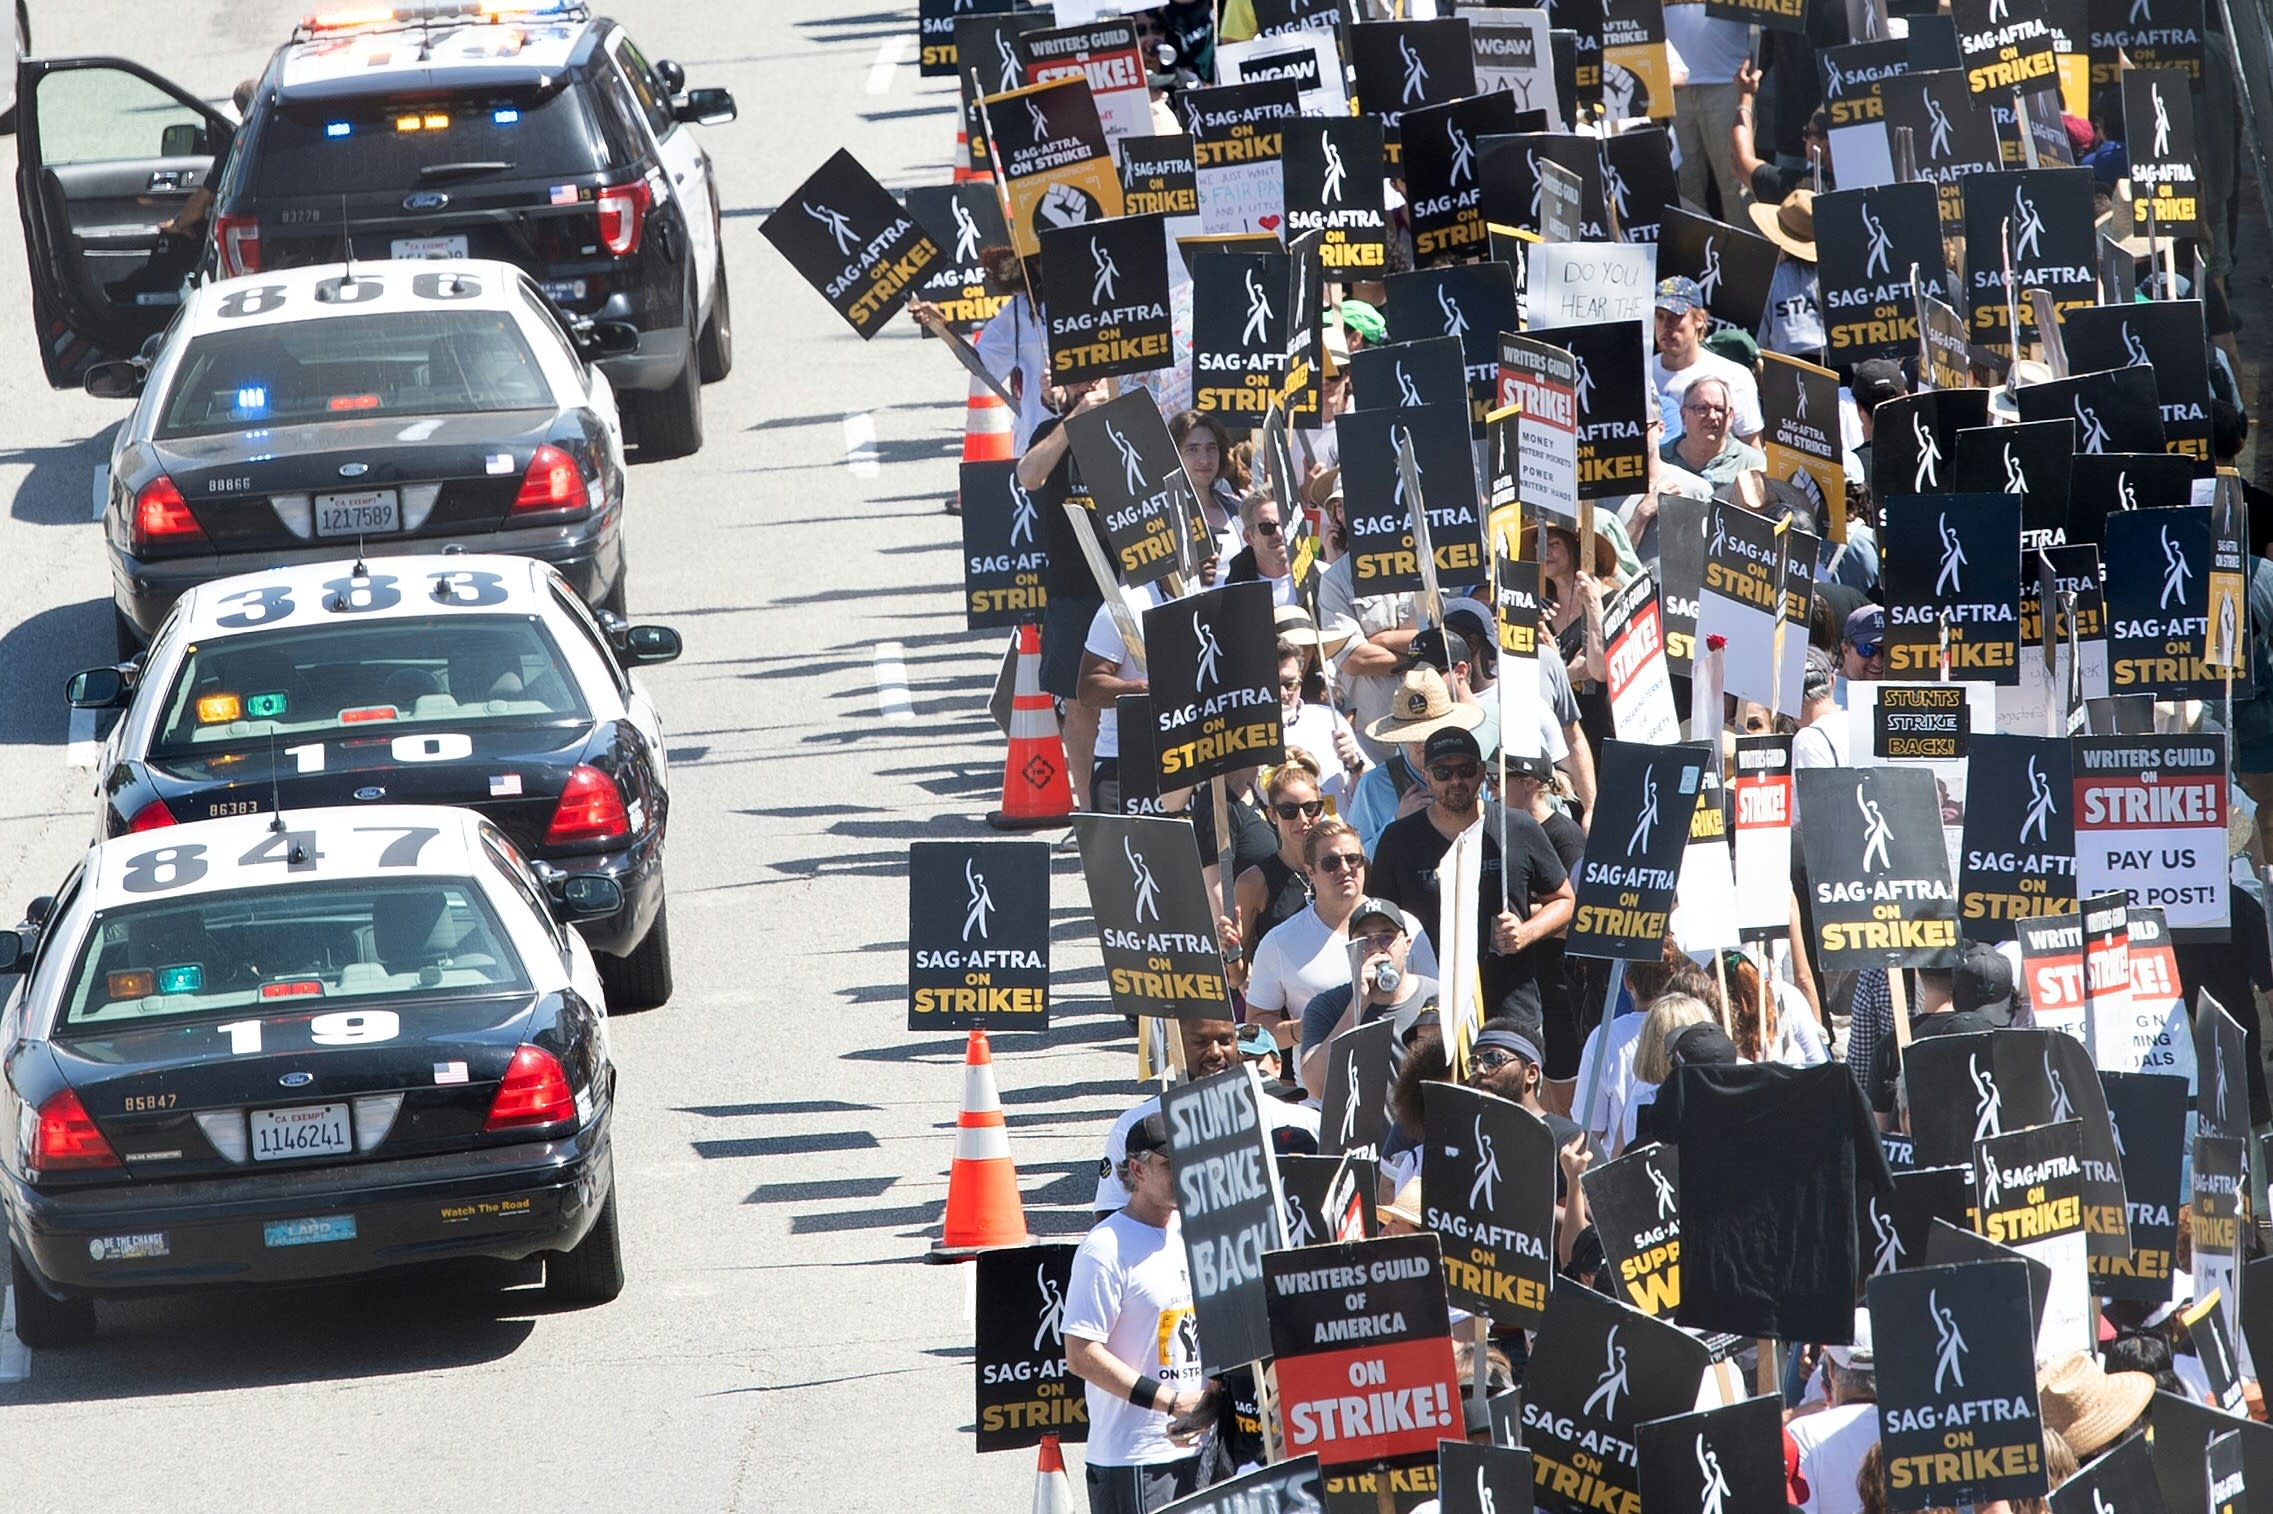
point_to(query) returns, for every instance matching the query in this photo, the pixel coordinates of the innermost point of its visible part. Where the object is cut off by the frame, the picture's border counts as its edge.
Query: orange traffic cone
(1035, 790)
(1052, 1493)
(983, 1208)
(987, 431)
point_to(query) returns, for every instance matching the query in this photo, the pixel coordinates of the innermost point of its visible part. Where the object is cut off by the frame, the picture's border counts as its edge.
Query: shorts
(1140, 1490)
(1065, 628)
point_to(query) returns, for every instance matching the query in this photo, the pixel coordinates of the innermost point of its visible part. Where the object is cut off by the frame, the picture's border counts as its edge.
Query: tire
(715, 348)
(668, 422)
(591, 1273)
(42, 1321)
(640, 979)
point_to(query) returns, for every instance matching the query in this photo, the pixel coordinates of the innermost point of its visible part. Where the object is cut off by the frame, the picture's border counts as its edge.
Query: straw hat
(2090, 1408)
(1605, 550)
(1421, 707)
(1296, 627)
(1407, 1206)
(1790, 225)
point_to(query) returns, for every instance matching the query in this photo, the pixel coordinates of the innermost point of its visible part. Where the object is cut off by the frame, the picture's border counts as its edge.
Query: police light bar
(408, 13)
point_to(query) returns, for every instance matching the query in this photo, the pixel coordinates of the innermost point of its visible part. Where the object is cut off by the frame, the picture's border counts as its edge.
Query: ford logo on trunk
(353, 470)
(371, 791)
(297, 1079)
(426, 199)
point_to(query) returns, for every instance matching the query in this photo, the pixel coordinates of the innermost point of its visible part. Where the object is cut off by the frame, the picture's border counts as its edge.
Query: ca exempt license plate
(314, 1130)
(429, 247)
(367, 512)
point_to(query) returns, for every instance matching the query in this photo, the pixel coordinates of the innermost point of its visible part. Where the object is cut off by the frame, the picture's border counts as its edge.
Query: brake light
(67, 1140)
(623, 213)
(591, 809)
(239, 240)
(152, 816)
(162, 517)
(535, 1092)
(553, 482)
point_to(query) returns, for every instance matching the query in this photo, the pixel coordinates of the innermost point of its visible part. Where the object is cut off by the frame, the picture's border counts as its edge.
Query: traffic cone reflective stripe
(987, 432)
(1035, 789)
(1053, 1494)
(983, 1207)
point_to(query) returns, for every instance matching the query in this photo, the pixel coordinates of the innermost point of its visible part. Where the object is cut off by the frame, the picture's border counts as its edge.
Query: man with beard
(1210, 1046)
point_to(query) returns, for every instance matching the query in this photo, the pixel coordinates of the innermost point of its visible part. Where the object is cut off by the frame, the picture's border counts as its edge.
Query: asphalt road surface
(782, 1141)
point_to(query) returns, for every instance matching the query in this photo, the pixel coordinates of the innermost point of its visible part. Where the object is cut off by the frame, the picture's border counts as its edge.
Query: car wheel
(591, 1273)
(717, 345)
(43, 1321)
(127, 634)
(640, 979)
(668, 422)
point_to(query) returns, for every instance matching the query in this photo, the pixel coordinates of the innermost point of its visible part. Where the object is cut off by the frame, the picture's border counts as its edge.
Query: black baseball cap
(1452, 743)
(1983, 983)
(1878, 380)
(1428, 645)
(1376, 909)
(1701, 1045)
(1147, 1134)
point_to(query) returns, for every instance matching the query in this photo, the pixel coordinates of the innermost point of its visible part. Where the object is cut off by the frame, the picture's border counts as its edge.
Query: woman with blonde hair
(1668, 1015)
(1278, 887)
(1307, 953)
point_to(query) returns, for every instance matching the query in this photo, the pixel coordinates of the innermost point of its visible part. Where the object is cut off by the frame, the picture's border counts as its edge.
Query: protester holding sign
(1705, 445)
(1132, 1336)
(1681, 360)
(1307, 954)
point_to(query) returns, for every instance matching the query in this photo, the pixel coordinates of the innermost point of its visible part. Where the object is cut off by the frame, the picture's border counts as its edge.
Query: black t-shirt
(1403, 871)
(1770, 1160)
(1556, 997)
(1886, 1056)
(1252, 839)
(1067, 576)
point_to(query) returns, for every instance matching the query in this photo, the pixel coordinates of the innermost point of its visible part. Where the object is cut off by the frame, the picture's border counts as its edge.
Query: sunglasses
(1266, 528)
(1492, 1059)
(1380, 940)
(1290, 683)
(1288, 809)
(1334, 862)
(1865, 648)
(1450, 773)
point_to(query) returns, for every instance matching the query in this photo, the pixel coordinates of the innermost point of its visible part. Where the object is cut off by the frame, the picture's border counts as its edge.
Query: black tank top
(1285, 894)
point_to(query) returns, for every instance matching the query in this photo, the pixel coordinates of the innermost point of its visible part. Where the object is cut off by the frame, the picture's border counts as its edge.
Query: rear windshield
(376, 678)
(366, 145)
(277, 950)
(413, 362)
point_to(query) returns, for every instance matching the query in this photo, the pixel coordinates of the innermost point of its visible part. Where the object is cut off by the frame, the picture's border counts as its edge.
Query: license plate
(315, 1130)
(313, 1231)
(370, 512)
(429, 247)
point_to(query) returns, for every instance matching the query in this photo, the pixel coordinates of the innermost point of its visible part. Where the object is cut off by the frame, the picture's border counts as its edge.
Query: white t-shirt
(1832, 1445)
(1012, 341)
(1673, 383)
(1105, 641)
(1131, 1292)
(1278, 1115)
(1822, 743)
(1313, 731)
(1799, 1040)
(1625, 1038)
(1302, 956)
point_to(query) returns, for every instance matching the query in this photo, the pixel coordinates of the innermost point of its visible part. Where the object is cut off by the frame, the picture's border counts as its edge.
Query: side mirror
(598, 339)
(588, 896)
(120, 380)
(706, 107)
(184, 140)
(96, 689)
(16, 950)
(645, 644)
(36, 912)
(673, 76)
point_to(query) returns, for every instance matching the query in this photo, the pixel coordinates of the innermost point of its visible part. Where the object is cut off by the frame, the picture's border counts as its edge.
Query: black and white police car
(380, 408)
(271, 1049)
(475, 681)
(528, 131)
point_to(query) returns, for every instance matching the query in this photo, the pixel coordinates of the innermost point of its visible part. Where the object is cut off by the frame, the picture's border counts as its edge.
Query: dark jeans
(1140, 1490)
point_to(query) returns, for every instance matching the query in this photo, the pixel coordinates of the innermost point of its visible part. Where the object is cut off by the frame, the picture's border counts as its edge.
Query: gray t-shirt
(1324, 1012)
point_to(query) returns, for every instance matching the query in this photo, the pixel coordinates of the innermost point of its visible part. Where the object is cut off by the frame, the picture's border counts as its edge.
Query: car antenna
(346, 247)
(275, 788)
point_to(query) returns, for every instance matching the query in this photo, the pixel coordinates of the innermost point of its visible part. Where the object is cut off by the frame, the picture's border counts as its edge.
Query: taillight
(150, 817)
(67, 1140)
(239, 241)
(553, 482)
(161, 517)
(535, 1092)
(623, 213)
(591, 809)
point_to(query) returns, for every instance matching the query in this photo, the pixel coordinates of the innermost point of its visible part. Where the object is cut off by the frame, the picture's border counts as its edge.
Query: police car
(378, 408)
(475, 681)
(533, 133)
(271, 1049)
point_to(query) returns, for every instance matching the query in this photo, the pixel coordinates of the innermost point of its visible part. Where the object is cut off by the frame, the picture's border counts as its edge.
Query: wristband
(1144, 1392)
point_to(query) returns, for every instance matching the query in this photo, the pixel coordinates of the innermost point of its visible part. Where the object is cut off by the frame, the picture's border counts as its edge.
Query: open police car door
(106, 153)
